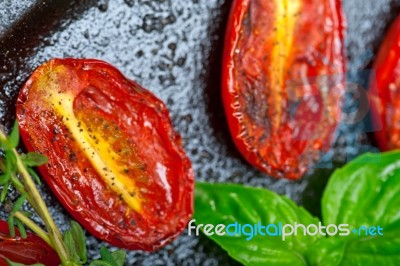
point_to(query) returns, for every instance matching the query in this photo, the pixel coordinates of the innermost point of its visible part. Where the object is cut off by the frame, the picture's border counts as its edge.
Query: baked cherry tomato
(115, 161)
(385, 92)
(283, 80)
(29, 250)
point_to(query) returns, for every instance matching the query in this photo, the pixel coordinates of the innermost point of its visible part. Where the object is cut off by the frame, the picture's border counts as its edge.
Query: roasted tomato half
(283, 80)
(115, 161)
(385, 90)
(27, 251)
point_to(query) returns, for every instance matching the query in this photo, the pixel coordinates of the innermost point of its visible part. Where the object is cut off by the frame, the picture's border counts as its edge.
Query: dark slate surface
(174, 49)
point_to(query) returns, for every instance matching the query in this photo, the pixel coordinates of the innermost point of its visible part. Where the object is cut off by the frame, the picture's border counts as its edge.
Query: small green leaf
(227, 203)
(33, 159)
(11, 228)
(14, 135)
(4, 191)
(10, 263)
(80, 242)
(119, 257)
(107, 256)
(4, 142)
(116, 258)
(36, 178)
(18, 203)
(16, 182)
(100, 263)
(11, 161)
(4, 178)
(70, 246)
(27, 214)
(74, 239)
(21, 228)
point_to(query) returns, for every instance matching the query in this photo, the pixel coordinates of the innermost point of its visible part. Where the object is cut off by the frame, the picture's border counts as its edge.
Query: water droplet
(86, 34)
(103, 5)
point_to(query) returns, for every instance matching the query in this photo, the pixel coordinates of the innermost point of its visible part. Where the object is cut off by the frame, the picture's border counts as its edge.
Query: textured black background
(174, 48)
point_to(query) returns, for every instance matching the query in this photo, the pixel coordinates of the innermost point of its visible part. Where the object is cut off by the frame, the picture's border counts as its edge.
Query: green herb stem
(17, 184)
(32, 226)
(16, 168)
(54, 234)
(34, 198)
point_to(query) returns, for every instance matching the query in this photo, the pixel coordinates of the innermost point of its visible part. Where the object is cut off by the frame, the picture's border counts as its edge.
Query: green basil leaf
(365, 192)
(33, 159)
(372, 251)
(14, 135)
(384, 250)
(327, 252)
(229, 203)
(80, 241)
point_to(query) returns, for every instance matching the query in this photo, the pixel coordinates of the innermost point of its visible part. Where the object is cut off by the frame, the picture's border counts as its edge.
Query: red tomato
(384, 90)
(30, 250)
(283, 77)
(115, 161)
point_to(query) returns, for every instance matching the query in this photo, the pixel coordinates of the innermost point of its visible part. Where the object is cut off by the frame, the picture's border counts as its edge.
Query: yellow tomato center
(100, 151)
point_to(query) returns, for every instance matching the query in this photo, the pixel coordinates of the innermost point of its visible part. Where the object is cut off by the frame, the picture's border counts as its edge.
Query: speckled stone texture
(174, 49)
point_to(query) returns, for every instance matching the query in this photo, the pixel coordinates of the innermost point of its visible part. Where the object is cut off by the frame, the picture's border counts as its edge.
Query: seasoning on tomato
(29, 250)
(114, 159)
(283, 80)
(385, 90)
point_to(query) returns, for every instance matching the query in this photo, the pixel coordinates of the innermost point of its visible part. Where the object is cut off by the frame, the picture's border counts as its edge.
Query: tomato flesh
(115, 161)
(283, 78)
(29, 250)
(384, 90)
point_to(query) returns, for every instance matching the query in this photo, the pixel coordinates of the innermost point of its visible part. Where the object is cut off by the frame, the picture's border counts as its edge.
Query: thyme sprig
(17, 172)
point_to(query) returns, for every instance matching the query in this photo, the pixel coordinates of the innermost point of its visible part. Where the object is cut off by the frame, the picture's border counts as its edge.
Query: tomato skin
(384, 92)
(268, 75)
(115, 161)
(30, 250)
